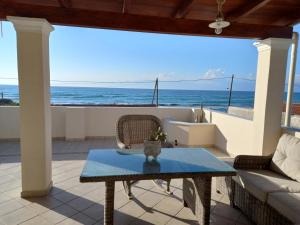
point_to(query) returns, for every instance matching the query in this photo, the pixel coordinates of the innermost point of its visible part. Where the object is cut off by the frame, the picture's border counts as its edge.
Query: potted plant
(152, 146)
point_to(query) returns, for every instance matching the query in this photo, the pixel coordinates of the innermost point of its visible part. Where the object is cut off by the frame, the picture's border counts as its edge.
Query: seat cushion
(288, 204)
(262, 182)
(286, 159)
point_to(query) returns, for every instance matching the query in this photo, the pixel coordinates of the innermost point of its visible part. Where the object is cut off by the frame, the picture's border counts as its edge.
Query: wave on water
(122, 96)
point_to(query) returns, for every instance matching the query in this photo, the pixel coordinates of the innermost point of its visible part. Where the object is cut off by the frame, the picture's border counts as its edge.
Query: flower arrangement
(158, 135)
(152, 146)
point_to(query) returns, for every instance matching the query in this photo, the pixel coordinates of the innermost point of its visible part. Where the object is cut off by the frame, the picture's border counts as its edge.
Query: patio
(71, 202)
(66, 201)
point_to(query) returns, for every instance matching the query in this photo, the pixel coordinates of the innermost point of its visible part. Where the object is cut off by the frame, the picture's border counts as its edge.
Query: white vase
(152, 148)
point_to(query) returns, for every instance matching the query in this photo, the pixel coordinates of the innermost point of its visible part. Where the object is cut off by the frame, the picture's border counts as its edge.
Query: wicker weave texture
(252, 162)
(257, 211)
(197, 196)
(109, 203)
(134, 129)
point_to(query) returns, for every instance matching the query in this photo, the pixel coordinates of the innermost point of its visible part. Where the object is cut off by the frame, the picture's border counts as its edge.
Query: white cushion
(286, 159)
(262, 182)
(287, 204)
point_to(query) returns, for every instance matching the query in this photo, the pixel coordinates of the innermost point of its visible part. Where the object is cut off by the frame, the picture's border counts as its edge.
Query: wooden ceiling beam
(250, 7)
(183, 8)
(65, 3)
(126, 5)
(120, 21)
(292, 20)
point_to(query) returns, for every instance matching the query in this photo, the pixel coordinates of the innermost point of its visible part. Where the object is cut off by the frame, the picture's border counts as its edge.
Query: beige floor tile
(6, 179)
(78, 219)
(84, 188)
(80, 203)
(155, 217)
(10, 206)
(169, 205)
(147, 201)
(38, 220)
(14, 192)
(184, 217)
(18, 216)
(96, 195)
(43, 204)
(226, 211)
(95, 211)
(65, 196)
(225, 199)
(72, 202)
(121, 199)
(4, 198)
(69, 183)
(133, 209)
(10, 185)
(59, 214)
(121, 218)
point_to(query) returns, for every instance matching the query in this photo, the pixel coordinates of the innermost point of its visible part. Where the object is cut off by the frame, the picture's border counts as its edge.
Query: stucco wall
(190, 134)
(227, 132)
(232, 134)
(80, 122)
(247, 113)
(9, 122)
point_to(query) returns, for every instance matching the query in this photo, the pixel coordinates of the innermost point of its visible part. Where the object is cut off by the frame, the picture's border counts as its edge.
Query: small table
(110, 165)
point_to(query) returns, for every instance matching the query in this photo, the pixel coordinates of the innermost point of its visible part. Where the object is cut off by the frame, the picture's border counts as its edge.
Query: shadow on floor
(119, 217)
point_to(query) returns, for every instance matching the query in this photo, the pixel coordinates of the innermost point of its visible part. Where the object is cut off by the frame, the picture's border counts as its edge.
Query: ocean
(217, 100)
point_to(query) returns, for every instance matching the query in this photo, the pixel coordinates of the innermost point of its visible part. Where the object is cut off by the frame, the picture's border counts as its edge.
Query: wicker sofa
(267, 188)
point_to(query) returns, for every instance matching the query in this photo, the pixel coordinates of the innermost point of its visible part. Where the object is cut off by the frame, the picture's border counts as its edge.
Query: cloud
(213, 73)
(250, 76)
(164, 76)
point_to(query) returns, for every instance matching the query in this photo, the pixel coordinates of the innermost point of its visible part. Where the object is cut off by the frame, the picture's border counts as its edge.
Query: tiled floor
(71, 202)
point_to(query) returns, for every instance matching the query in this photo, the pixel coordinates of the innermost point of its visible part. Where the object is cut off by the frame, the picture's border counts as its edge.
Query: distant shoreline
(129, 97)
(162, 89)
(132, 88)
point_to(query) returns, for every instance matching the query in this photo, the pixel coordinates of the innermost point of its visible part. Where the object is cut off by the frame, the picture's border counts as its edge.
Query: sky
(88, 56)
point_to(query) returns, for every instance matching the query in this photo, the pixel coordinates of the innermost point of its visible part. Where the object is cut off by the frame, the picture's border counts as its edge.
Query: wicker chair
(132, 130)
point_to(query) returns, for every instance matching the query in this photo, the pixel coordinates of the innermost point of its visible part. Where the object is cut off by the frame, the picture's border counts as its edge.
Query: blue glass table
(194, 164)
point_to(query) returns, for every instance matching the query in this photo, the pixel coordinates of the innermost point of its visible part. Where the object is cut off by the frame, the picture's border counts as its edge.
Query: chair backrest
(134, 129)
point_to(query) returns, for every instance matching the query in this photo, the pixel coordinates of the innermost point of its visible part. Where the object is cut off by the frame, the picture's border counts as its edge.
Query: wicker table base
(197, 196)
(109, 203)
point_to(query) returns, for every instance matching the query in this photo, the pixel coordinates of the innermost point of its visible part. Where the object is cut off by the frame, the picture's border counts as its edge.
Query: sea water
(215, 99)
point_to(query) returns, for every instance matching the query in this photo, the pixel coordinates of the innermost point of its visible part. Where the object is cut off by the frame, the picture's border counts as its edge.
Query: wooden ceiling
(249, 18)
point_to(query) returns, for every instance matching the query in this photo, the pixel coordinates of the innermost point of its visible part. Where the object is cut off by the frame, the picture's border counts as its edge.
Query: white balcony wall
(9, 122)
(81, 122)
(191, 134)
(227, 132)
(232, 134)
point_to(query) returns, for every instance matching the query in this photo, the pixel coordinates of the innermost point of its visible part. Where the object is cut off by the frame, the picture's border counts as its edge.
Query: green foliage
(158, 135)
(5, 101)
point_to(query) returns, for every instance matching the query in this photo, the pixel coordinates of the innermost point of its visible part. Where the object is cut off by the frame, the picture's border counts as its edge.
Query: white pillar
(269, 93)
(34, 82)
(290, 91)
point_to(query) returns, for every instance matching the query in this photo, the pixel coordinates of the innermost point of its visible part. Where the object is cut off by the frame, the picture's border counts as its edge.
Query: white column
(34, 82)
(290, 91)
(269, 93)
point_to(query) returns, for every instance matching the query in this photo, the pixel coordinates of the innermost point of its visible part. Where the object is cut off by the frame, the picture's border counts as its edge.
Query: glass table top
(112, 164)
